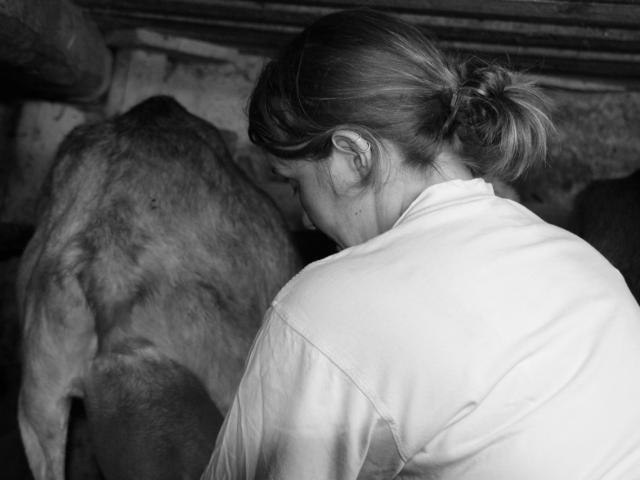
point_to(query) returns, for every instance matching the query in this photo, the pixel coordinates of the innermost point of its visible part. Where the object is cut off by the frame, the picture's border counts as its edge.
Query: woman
(456, 335)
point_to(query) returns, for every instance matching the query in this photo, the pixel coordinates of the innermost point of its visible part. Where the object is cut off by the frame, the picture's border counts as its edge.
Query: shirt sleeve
(297, 415)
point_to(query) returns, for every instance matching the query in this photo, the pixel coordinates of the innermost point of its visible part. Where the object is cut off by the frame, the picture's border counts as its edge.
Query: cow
(153, 261)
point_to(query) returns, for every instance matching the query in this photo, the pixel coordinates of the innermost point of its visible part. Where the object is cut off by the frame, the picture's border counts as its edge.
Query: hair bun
(502, 120)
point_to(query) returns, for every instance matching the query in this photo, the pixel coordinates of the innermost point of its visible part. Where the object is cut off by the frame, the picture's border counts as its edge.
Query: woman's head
(381, 78)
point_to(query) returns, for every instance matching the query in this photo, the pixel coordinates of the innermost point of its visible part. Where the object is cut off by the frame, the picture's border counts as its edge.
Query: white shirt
(470, 341)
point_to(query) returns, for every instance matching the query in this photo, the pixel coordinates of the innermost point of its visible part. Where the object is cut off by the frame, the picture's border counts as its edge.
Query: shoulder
(314, 293)
(337, 285)
(319, 277)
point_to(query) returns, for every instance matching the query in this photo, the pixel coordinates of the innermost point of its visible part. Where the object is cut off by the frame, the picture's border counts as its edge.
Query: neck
(399, 192)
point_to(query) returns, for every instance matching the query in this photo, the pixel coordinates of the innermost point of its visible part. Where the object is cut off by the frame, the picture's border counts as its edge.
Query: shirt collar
(445, 192)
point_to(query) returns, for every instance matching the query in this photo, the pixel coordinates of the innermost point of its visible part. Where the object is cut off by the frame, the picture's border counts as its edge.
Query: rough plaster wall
(598, 133)
(39, 129)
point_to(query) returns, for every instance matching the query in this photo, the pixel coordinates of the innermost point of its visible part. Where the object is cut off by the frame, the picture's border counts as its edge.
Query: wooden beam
(577, 38)
(622, 13)
(521, 32)
(581, 38)
(50, 49)
(568, 12)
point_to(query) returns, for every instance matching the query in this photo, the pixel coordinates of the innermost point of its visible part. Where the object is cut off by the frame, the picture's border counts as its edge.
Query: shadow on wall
(12, 457)
(607, 215)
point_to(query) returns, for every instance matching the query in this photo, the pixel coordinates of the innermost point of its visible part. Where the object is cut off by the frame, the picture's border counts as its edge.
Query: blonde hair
(384, 78)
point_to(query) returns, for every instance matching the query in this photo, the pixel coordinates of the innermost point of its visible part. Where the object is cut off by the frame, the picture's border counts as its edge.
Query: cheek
(312, 206)
(307, 206)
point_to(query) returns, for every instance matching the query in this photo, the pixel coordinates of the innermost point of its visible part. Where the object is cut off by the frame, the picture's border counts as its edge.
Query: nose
(306, 222)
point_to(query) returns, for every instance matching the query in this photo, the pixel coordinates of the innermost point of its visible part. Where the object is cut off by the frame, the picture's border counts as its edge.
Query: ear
(355, 149)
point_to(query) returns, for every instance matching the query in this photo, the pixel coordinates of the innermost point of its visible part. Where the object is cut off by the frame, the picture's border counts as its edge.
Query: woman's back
(496, 378)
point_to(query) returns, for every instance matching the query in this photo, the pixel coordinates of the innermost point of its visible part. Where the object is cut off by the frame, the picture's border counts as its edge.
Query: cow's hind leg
(43, 417)
(150, 418)
(58, 341)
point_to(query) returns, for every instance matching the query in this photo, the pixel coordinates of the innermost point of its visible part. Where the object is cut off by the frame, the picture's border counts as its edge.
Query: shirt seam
(352, 376)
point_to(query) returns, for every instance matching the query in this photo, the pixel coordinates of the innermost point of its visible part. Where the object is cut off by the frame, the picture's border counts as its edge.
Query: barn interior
(64, 63)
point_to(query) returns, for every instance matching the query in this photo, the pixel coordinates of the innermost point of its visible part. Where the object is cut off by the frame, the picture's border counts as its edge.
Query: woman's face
(320, 189)
(338, 199)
